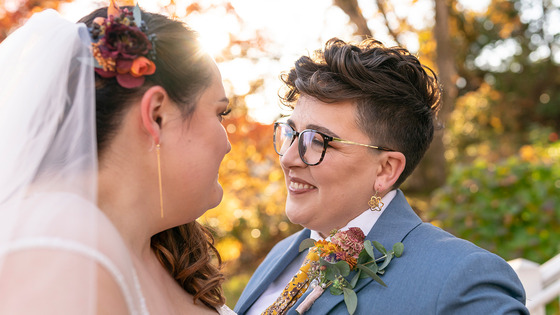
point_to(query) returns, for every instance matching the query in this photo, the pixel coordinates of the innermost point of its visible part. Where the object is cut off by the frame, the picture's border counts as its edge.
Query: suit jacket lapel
(279, 262)
(395, 222)
(392, 227)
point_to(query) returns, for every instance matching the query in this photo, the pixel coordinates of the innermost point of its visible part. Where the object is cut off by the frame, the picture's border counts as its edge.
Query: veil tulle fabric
(54, 241)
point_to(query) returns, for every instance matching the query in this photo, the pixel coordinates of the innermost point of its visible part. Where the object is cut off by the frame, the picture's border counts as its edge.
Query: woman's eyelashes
(224, 114)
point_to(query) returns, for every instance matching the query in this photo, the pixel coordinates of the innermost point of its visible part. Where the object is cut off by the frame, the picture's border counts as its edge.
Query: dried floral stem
(375, 261)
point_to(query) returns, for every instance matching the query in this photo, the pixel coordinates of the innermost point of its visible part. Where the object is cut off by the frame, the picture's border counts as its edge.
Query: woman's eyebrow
(321, 129)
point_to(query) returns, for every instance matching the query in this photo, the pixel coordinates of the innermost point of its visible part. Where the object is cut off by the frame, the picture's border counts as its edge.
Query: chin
(219, 194)
(295, 216)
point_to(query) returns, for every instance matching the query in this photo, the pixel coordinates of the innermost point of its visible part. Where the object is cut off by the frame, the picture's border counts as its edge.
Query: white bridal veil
(54, 241)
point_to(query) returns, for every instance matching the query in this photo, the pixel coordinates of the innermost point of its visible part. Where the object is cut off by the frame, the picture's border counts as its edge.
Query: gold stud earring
(159, 179)
(375, 203)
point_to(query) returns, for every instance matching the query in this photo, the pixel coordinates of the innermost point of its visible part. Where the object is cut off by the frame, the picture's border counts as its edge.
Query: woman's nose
(291, 157)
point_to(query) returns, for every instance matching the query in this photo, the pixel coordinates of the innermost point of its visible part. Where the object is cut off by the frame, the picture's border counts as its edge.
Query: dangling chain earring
(159, 179)
(375, 203)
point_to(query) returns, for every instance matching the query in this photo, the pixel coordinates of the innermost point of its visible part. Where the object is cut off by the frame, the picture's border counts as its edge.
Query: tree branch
(394, 34)
(352, 9)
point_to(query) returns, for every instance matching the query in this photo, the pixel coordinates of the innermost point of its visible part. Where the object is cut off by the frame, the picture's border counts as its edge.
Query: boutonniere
(335, 259)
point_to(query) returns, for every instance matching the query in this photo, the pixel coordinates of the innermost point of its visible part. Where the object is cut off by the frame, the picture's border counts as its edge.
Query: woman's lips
(298, 186)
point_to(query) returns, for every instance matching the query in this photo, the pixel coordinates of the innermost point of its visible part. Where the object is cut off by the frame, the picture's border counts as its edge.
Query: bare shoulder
(54, 281)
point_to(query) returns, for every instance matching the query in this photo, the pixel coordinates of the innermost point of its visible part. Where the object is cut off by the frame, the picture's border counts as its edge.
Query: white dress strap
(225, 310)
(81, 249)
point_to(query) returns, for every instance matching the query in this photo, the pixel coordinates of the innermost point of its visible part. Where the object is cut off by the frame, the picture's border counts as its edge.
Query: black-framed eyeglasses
(312, 144)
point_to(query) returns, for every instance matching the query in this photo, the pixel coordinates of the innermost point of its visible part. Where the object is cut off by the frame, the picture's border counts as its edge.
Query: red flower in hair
(120, 48)
(123, 41)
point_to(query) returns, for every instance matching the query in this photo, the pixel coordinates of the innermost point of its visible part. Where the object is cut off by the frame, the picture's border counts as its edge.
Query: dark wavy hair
(397, 98)
(184, 71)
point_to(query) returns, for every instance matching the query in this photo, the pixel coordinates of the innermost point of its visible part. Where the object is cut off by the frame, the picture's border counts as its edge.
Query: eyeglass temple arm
(363, 145)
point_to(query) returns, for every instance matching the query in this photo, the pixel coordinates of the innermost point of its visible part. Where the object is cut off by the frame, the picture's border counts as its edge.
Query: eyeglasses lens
(283, 138)
(310, 145)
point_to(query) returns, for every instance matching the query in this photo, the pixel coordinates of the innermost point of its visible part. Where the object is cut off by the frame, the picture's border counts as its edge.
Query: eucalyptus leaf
(306, 243)
(351, 300)
(364, 256)
(369, 249)
(398, 248)
(366, 270)
(333, 269)
(331, 273)
(372, 275)
(380, 247)
(355, 279)
(386, 262)
(372, 266)
(343, 268)
(137, 15)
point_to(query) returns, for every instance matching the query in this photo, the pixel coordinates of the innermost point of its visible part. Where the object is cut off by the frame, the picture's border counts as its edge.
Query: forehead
(335, 116)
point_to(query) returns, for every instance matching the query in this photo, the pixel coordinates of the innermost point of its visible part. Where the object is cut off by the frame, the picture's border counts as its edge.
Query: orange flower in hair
(142, 66)
(113, 9)
(122, 48)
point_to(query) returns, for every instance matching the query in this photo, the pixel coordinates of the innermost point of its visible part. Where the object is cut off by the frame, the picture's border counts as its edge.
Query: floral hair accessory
(121, 47)
(345, 252)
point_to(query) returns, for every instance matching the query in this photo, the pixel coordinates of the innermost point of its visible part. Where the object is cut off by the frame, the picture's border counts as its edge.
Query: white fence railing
(541, 283)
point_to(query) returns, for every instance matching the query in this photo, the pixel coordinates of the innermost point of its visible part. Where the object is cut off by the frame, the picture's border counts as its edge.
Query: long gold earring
(375, 203)
(159, 178)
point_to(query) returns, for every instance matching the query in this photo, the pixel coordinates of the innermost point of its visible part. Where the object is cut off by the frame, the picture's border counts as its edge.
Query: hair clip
(121, 47)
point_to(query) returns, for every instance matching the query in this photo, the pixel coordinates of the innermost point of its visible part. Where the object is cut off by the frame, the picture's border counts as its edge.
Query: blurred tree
(509, 52)
(508, 62)
(352, 9)
(18, 12)
(431, 172)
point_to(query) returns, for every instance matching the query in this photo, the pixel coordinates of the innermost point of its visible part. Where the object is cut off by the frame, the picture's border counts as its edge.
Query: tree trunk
(431, 173)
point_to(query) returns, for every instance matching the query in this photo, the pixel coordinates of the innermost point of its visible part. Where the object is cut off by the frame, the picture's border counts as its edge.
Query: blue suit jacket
(437, 273)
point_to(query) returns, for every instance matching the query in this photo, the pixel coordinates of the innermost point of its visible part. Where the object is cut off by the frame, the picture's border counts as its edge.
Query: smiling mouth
(300, 187)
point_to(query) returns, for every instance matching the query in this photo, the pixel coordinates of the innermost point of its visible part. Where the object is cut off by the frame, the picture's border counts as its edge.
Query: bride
(112, 139)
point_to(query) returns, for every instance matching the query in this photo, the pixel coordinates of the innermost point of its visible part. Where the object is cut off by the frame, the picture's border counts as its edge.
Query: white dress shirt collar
(364, 221)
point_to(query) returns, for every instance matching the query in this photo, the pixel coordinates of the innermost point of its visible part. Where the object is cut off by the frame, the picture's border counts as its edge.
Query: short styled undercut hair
(397, 98)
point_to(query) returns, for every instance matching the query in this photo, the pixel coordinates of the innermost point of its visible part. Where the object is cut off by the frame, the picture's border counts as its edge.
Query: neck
(129, 207)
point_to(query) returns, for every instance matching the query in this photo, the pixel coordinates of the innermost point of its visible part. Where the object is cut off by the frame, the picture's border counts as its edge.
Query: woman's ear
(151, 111)
(391, 166)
